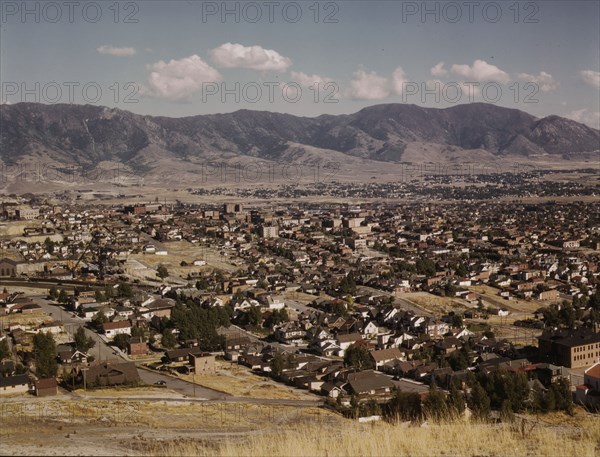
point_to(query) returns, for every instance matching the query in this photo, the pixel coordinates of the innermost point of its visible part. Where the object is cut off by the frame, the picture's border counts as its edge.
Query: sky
(305, 58)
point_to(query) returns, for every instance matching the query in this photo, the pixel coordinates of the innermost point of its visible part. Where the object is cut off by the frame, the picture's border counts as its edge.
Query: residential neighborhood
(349, 303)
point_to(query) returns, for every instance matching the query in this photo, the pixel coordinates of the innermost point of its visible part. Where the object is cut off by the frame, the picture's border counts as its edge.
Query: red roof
(593, 371)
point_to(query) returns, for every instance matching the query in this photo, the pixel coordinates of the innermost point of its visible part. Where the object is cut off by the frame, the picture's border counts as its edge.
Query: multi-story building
(570, 348)
(269, 231)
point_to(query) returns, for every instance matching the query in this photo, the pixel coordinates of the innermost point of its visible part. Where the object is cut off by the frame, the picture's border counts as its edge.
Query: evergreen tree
(83, 343)
(479, 402)
(434, 406)
(44, 350)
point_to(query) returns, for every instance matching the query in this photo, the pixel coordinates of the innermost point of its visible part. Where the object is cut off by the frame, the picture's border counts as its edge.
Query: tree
(99, 319)
(44, 350)
(162, 271)
(99, 296)
(404, 405)
(479, 402)
(53, 293)
(277, 364)
(455, 401)
(426, 267)
(168, 339)
(139, 332)
(358, 357)
(434, 406)
(457, 321)
(125, 291)
(121, 340)
(562, 395)
(83, 343)
(254, 316)
(4, 350)
(63, 297)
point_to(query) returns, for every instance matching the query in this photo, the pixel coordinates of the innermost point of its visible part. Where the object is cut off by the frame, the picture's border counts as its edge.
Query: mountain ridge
(90, 134)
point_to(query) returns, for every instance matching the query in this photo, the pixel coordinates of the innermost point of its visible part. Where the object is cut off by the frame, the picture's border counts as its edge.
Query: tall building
(269, 231)
(570, 348)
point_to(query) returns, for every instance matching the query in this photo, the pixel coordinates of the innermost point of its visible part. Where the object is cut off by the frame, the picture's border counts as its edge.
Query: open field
(490, 295)
(34, 319)
(241, 382)
(435, 304)
(131, 427)
(177, 427)
(177, 252)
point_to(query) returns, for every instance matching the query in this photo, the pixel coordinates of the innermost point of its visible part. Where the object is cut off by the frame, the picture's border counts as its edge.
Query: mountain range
(89, 135)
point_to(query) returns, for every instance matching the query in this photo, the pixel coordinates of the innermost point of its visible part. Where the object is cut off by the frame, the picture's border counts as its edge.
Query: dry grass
(433, 303)
(382, 439)
(241, 382)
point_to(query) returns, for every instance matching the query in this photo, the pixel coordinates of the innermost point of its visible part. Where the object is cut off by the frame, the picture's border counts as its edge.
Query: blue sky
(185, 58)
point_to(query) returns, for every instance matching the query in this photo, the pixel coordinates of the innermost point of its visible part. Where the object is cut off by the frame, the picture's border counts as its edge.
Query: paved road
(100, 351)
(181, 386)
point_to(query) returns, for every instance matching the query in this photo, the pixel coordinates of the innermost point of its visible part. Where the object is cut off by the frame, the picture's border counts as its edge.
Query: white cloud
(591, 77)
(179, 79)
(585, 116)
(439, 70)
(399, 80)
(115, 51)
(309, 80)
(367, 85)
(481, 71)
(545, 81)
(231, 55)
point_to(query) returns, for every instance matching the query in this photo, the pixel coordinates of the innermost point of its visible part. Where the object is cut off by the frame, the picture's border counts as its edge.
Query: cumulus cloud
(439, 70)
(399, 80)
(545, 81)
(309, 80)
(367, 85)
(116, 51)
(481, 71)
(591, 77)
(179, 79)
(585, 116)
(234, 55)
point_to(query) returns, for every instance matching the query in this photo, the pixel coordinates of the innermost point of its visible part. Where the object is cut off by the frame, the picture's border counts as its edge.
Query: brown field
(384, 439)
(241, 382)
(435, 304)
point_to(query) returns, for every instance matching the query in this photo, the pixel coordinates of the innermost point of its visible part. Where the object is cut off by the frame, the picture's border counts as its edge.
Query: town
(372, 310)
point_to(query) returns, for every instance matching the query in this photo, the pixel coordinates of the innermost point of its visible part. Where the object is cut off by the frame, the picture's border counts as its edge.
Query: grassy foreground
(385, 439)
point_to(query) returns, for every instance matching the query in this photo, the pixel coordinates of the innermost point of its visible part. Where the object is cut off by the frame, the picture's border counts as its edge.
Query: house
(137, 346)
(182, 354)
(68, 355)
(8, 267)
(383, 356)
(289, 333)
(369, 382)
(109, 373)
(345, 341)
(203, 363)
(17, 384)
(112, 329)
(588, 393)
(45, 387)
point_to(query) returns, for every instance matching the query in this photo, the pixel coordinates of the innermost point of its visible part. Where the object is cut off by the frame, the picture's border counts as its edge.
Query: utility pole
(84, 379)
